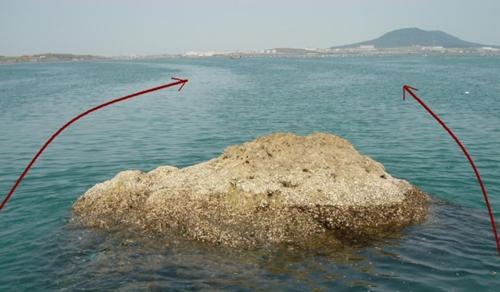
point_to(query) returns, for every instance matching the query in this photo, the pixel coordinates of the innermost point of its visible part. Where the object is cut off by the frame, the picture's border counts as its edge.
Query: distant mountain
(408, 37)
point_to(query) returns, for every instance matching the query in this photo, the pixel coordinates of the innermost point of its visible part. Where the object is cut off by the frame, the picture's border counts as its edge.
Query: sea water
(228, 102)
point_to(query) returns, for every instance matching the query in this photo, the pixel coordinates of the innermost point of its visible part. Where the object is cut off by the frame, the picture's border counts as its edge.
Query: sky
(127, 27)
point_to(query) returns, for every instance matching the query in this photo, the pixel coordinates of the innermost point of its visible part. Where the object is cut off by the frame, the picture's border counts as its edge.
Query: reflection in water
(88, 258)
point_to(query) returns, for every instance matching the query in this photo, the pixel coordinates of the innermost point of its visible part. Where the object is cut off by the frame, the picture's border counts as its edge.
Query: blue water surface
(228, 102)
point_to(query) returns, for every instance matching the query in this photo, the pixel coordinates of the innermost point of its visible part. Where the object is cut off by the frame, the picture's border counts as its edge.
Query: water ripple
(228, 102)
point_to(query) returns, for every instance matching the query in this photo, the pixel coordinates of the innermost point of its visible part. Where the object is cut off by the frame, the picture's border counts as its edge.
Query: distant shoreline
(399, 42)
(275, 53)
(48, 57)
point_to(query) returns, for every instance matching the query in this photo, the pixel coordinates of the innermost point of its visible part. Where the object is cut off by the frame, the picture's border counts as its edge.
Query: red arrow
(178, 81)
(410, 89)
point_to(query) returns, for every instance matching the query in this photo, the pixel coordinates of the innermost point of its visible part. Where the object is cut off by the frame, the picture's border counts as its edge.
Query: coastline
(275, 53)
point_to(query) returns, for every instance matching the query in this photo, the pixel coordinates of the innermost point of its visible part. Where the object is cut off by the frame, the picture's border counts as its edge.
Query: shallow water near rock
(228, 102)
(91, 259)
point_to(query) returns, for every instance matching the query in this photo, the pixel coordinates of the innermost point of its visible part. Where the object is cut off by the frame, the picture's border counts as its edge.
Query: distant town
(407, 41)
(362, 50)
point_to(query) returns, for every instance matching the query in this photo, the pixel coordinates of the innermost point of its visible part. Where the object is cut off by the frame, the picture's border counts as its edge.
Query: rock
(280, 188)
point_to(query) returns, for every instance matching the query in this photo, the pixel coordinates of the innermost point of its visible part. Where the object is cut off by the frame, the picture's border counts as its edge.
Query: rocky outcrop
(280, 188)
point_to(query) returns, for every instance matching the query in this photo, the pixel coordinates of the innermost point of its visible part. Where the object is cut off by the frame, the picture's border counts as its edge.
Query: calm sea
(232, 101)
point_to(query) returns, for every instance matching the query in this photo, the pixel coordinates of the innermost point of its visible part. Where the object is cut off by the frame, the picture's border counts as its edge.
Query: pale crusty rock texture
(280, 188)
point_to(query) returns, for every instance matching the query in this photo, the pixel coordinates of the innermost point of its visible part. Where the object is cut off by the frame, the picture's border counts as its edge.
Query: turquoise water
(228, 102)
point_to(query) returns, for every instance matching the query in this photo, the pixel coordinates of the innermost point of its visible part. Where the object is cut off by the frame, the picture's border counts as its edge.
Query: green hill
(408, 37)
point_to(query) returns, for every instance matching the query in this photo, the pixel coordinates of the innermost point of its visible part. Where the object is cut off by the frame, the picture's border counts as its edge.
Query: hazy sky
(116, 27)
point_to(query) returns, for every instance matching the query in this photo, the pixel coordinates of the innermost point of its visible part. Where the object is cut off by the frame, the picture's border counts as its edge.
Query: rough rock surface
(280, 188)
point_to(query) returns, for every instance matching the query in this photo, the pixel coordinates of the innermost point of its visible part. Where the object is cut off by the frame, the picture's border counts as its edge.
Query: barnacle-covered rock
(280, 188)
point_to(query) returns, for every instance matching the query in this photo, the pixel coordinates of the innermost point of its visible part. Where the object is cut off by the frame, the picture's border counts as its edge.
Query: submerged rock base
(280, 188)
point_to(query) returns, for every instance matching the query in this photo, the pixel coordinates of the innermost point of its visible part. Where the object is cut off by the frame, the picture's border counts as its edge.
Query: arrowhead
(409, 89)
(181, 81)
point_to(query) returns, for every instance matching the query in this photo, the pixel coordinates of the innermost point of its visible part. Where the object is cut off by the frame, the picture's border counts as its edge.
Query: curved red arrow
(178, 81)
(410, 89)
